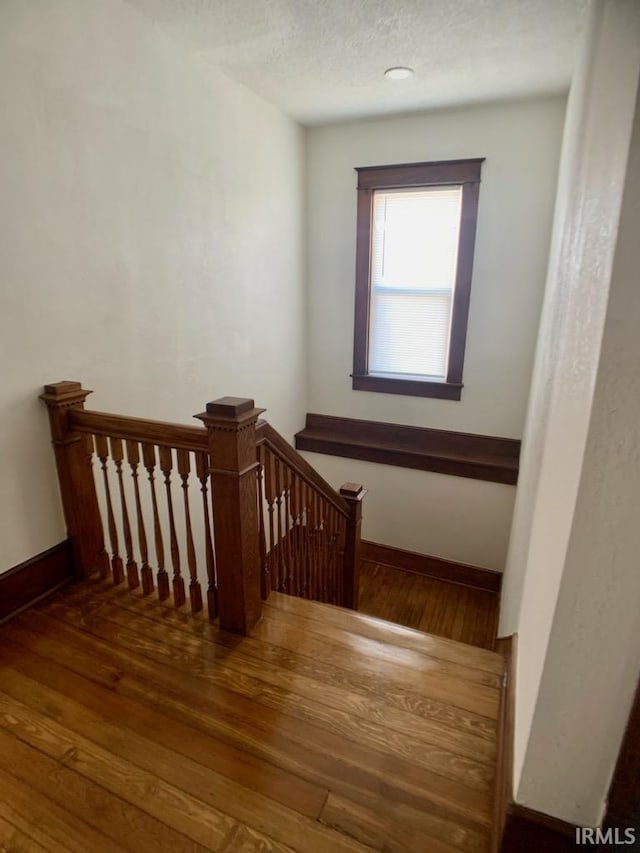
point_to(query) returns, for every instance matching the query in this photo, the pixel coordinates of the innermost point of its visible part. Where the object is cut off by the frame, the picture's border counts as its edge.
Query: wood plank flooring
(428, 604)
(127, 725)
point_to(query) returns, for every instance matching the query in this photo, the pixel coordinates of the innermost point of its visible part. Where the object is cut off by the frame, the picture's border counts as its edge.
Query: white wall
(521, 143)
(426, 512)
(593, 657)
(151, 239)
(571, 590)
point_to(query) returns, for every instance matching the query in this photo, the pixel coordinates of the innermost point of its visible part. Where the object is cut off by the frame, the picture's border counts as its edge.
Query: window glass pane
(409, 333)
(414, 256)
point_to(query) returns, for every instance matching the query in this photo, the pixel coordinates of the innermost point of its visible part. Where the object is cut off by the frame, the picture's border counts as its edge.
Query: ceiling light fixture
(398, 72)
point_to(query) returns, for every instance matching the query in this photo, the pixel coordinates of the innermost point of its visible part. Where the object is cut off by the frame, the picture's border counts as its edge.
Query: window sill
(408, 387)
(479, 457)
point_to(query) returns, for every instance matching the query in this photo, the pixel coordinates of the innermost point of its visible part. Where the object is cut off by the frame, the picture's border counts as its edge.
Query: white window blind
(414, 256)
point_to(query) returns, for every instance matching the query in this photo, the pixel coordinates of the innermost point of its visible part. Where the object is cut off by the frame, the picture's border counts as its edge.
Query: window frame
(465, 173)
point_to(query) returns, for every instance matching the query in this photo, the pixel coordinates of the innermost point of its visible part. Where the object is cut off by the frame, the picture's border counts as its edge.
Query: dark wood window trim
(479, 457)
(441, 173)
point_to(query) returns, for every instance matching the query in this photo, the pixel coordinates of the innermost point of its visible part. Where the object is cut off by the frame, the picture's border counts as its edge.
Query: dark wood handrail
(160, 433)
(281, 448)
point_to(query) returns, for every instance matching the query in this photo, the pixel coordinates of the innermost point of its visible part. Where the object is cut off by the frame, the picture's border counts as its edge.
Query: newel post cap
(63, 393)
(226, 410)
(352, 491)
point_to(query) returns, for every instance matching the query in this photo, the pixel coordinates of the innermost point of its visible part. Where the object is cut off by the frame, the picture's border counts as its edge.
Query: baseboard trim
(506, 646)
(529, 831)
(34, 579)
(516, 828)
(434, 567)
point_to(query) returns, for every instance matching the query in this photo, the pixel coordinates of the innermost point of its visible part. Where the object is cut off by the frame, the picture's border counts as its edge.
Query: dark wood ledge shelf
(479, 457)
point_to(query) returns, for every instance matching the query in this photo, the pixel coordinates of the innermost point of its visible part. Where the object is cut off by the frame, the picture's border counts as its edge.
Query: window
(414, 257)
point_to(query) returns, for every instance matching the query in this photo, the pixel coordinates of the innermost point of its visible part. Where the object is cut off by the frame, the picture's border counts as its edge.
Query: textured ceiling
(322, 60)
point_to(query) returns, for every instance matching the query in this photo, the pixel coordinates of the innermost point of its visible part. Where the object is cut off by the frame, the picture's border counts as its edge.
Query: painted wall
(151, 239)
(521, 143)
(571, 587)
(426, 512)
(593, 658)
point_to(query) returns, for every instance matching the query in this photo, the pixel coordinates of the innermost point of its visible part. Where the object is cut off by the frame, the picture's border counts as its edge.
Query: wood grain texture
(445, 609)
(88, 802)
(230, 424)
(37, 577)
(479, 457)
(46, 822)
(467, 733)
(142, 430)
(73, 452)
(395, 634)
(126, 724)
(14, 840)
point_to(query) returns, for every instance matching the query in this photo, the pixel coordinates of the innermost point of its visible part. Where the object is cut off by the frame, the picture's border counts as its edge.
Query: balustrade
(266, 519)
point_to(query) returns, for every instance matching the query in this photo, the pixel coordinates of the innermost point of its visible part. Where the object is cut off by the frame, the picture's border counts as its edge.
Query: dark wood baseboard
(479, 457)
(434, 567)
(35, 578)
(528, 831)
(506, 646)
(516, 828)
(624, 794)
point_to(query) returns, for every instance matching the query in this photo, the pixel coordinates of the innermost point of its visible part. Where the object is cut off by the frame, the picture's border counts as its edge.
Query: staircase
(197, 688)
(126, 724)
(268, 520)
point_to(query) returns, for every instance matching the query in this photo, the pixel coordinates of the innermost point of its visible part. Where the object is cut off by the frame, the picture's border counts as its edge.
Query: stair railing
(263, 519)
(309, 533)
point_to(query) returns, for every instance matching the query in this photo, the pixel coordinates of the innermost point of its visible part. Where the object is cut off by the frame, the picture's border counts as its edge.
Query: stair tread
(389, 632)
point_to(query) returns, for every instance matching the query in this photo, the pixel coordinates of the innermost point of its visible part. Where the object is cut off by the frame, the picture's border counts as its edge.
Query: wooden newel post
(231, 423)
(75, 473)
(353, 494)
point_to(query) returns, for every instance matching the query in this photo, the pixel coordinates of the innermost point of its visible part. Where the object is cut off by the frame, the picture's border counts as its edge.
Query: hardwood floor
(126, 725)
(434, 606)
